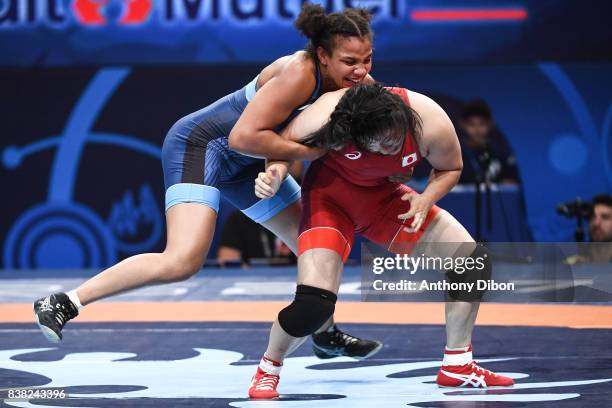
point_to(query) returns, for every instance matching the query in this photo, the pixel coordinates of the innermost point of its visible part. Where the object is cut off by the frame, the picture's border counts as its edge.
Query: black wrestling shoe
(335, 343)
(52, 313)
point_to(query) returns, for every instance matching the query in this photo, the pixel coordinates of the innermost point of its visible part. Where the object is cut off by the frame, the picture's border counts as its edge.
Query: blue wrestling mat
(195, 362)
(210, 365)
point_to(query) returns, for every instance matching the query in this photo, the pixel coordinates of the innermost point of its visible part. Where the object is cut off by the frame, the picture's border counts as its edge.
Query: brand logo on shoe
(474, 380)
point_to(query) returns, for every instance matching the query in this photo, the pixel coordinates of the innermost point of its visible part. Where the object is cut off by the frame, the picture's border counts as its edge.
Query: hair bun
(363, 13)
(311, 21)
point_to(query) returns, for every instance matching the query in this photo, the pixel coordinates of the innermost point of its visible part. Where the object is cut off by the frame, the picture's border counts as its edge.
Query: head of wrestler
(369, 117)
(341, 42)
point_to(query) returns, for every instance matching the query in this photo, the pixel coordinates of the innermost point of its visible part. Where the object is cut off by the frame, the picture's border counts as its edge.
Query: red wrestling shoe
(265, 380)
(263, 385)
(471, 375)
(459, 370)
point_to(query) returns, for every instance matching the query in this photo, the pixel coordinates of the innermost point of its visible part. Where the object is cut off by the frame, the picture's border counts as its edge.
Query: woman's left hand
(267, 183)
(419, 208)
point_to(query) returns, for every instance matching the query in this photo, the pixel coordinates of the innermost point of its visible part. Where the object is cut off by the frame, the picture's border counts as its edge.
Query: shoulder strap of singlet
(402, 92)
(315, 94)
(404, 95)
(250, 89)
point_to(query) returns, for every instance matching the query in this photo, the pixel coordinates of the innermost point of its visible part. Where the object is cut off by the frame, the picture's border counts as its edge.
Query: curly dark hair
(321, 29)
(367, 116)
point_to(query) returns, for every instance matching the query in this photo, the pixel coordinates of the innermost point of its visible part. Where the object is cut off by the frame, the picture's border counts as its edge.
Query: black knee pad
(308, 311)
(478, 276)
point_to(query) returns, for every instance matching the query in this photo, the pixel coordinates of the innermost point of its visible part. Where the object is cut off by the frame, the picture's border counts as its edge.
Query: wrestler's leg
(441, 236)
(314, 303)
(460, 316)
(192, 202)
(285, 226)
(190, 229)
(322, 247)
(281, 215)
(319, 268)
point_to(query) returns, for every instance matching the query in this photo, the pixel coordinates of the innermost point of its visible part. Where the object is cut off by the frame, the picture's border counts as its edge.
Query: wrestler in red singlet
(348, 191)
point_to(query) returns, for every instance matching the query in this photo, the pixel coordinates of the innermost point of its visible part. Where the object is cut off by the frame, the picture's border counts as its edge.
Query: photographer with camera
(599, 214)
(600, 222)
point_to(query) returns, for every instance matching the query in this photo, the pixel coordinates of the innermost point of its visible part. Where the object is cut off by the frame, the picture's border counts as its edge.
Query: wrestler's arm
(306, 123)
(252, 134)
(442, 150)
(313, 117)
(439, 145)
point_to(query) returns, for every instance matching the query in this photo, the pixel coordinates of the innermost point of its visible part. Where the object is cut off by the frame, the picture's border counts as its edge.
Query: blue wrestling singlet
(199, 166)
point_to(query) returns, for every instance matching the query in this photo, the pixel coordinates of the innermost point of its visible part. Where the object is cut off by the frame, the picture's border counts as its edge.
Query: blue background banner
(90, 87)
(92, 32)
(80, 165)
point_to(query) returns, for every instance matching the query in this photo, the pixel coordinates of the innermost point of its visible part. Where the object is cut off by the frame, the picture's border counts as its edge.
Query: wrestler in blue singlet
(199, 166)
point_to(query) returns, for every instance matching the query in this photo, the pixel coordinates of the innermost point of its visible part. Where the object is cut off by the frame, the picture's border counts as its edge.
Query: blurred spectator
(600, 233)
(485, 151)
(600, 222)
(243, 240)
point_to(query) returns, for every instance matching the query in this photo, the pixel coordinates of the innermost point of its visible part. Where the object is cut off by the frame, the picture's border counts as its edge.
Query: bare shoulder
(300, 68)
(282, 86)
(438, 141)
(434, 119)
(295, 73)
(424, 105)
